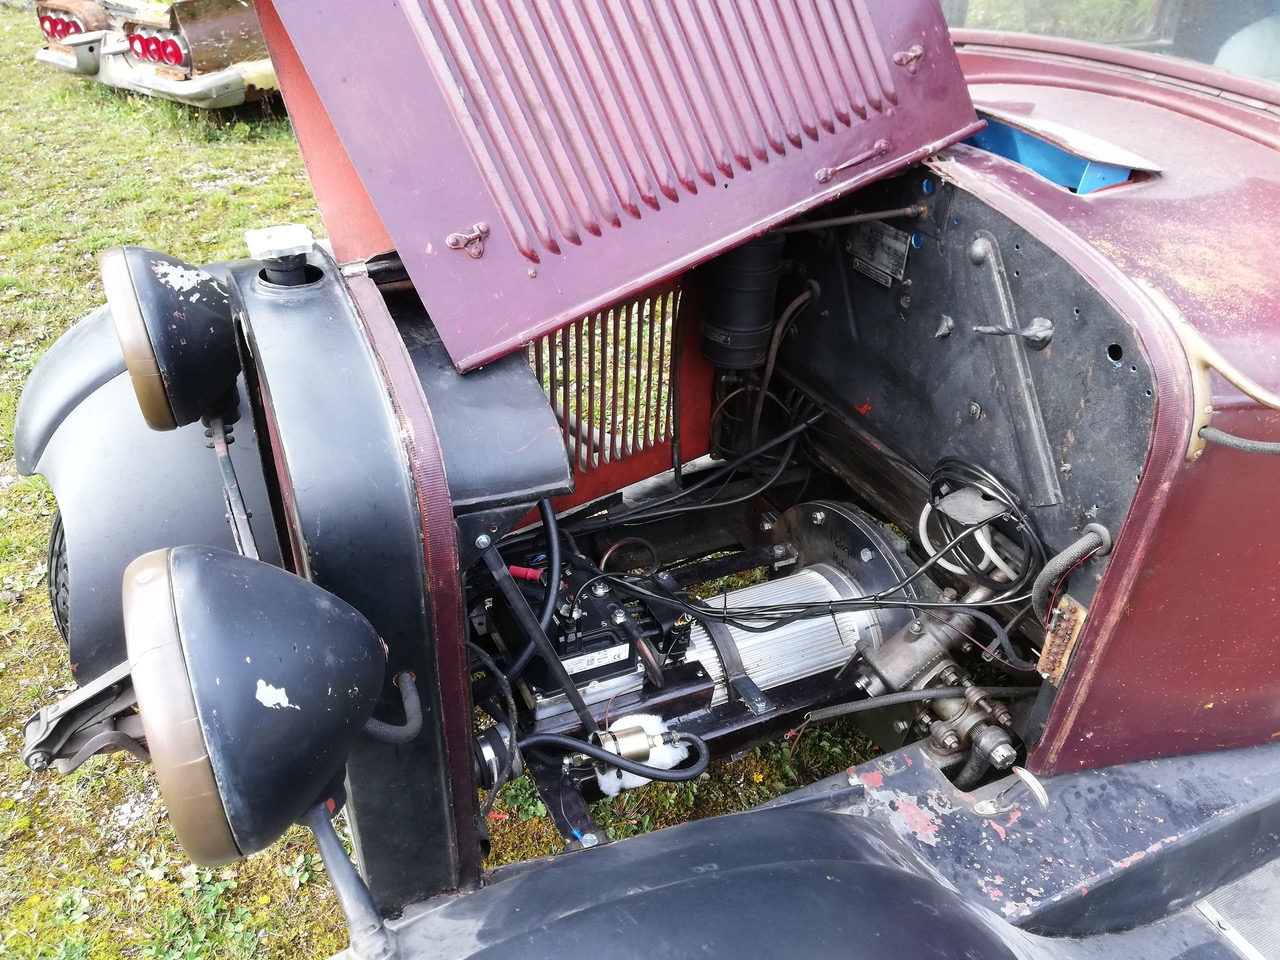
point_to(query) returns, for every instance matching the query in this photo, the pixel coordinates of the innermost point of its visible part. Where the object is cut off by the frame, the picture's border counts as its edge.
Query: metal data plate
(536, 161)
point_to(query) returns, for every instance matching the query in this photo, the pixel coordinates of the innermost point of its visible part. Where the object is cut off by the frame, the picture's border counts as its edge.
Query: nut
(1003, 755)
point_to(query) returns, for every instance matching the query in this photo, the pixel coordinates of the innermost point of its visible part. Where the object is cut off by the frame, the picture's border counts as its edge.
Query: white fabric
(665, 756)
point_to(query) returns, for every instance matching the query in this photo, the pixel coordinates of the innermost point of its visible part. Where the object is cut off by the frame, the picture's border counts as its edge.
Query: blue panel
(1050, 161)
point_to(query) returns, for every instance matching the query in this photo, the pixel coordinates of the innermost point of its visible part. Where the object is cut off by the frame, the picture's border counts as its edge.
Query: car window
(1240, 36)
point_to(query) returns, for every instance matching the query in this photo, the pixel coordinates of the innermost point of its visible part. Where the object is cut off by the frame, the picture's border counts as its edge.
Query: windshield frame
(1186, 74)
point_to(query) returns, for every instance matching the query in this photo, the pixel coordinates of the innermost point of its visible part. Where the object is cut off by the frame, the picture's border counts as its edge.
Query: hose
(1243, 444)
(412, 726)
(537, 636)
(678, 775)
(505, 772)
(811, 292)
(910, 696)
(1095, 539)
(974, 768)
(553, 565)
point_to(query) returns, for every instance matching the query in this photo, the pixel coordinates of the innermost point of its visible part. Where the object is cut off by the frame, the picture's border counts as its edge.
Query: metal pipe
(915, 210)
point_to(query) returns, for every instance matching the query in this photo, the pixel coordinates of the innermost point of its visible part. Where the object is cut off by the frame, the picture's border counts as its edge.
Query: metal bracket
(96, 718)
(471, 240)
(219, 439)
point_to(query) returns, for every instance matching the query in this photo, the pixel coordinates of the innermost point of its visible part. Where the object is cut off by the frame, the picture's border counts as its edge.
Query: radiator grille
(608, 378)
(582, 114)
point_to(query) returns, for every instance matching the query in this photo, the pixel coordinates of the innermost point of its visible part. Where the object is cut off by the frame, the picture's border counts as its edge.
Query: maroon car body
(1024, 305)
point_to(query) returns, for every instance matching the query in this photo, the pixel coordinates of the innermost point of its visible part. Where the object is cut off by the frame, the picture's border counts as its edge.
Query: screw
(1003, 755)
(483, 541)
(589, 840)
(599, 588)
(867, 555)
(901, 726)
(779, 550)
(619, 616)
(819, 517)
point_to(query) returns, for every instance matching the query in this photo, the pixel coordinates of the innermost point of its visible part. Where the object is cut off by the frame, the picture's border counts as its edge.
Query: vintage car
(204, 53)
(963, 345)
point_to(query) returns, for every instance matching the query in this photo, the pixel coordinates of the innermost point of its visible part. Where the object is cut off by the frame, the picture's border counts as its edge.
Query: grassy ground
(88, 864)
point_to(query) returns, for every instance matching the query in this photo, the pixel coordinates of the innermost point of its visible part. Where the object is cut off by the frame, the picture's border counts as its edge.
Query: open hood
(536, 160)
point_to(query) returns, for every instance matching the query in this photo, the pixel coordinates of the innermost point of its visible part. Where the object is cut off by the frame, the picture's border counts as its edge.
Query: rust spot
(873, 778)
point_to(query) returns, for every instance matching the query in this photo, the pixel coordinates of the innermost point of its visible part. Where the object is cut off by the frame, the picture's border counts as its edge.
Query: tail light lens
(158, 48)
(57, 27)
(171, 52)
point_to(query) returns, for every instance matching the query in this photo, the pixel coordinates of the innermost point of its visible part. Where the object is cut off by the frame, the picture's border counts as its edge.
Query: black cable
(1094, 539)
(912, 696)
(505, 772)
(952, 474)
(1243, 444)
(702, 756)
(602, 521)
(412, 726)
(533, 630)
(552, 532)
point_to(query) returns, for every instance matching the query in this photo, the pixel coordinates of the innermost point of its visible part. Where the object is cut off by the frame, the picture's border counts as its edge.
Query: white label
(879, 251)
(598, 658)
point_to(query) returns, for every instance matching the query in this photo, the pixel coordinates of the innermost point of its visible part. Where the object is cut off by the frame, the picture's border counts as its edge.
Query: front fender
(122, 488)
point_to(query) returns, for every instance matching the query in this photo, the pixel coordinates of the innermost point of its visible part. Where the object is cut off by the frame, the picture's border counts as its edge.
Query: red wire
(1054, 599)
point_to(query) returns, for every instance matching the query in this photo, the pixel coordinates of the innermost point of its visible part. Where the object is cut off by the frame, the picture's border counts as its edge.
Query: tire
(59, 587)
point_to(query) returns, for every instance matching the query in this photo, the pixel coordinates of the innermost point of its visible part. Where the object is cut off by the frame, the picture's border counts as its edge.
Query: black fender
(777, 883)
(122, 488)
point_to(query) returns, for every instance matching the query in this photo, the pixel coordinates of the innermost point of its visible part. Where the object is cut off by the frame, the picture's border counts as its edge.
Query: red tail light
(152, 46)
(136, 45)
(46, 26)
(60, 28)
(73, 28)
(171, 52)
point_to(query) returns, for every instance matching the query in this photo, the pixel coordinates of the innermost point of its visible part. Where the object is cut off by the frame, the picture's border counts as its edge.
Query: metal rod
(370, 939)
(237, 513)
(915, 210)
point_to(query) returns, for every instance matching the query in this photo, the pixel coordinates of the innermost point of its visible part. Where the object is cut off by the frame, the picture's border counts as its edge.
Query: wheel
(59, 588)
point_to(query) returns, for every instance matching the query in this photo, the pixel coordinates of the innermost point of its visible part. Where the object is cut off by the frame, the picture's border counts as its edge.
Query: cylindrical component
(796, 650)
(633, 743)
(742, 286)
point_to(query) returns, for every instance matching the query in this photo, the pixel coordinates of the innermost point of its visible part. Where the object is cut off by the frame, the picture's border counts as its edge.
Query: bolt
(766, 522)
(867, 555)
(901, 726)
(599, 588)
(779, 550)
(589, 840)
(1003, 755)
(916, 626)
(39, 761)
(483, 541)
(862, 683)
(950, 741)
(619, 616)
(819, 517)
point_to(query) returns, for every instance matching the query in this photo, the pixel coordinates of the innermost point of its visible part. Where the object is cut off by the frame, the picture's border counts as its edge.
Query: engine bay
(924, 430)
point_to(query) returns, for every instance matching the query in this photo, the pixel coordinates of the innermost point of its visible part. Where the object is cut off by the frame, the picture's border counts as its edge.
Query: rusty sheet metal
(1113, 847)
(220, 32)
(537, 161)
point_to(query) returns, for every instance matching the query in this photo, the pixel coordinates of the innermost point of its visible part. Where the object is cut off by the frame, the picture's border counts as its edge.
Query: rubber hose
(412, 726)
(552, 531)
(369, 937)
(910, 696)
(554, 570)
(678, 775)
(538, 637)
(974, 769)
(1243, 444)
(1050, 577)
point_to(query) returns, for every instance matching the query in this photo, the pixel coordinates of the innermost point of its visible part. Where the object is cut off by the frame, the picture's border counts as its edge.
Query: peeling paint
(277, 698)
